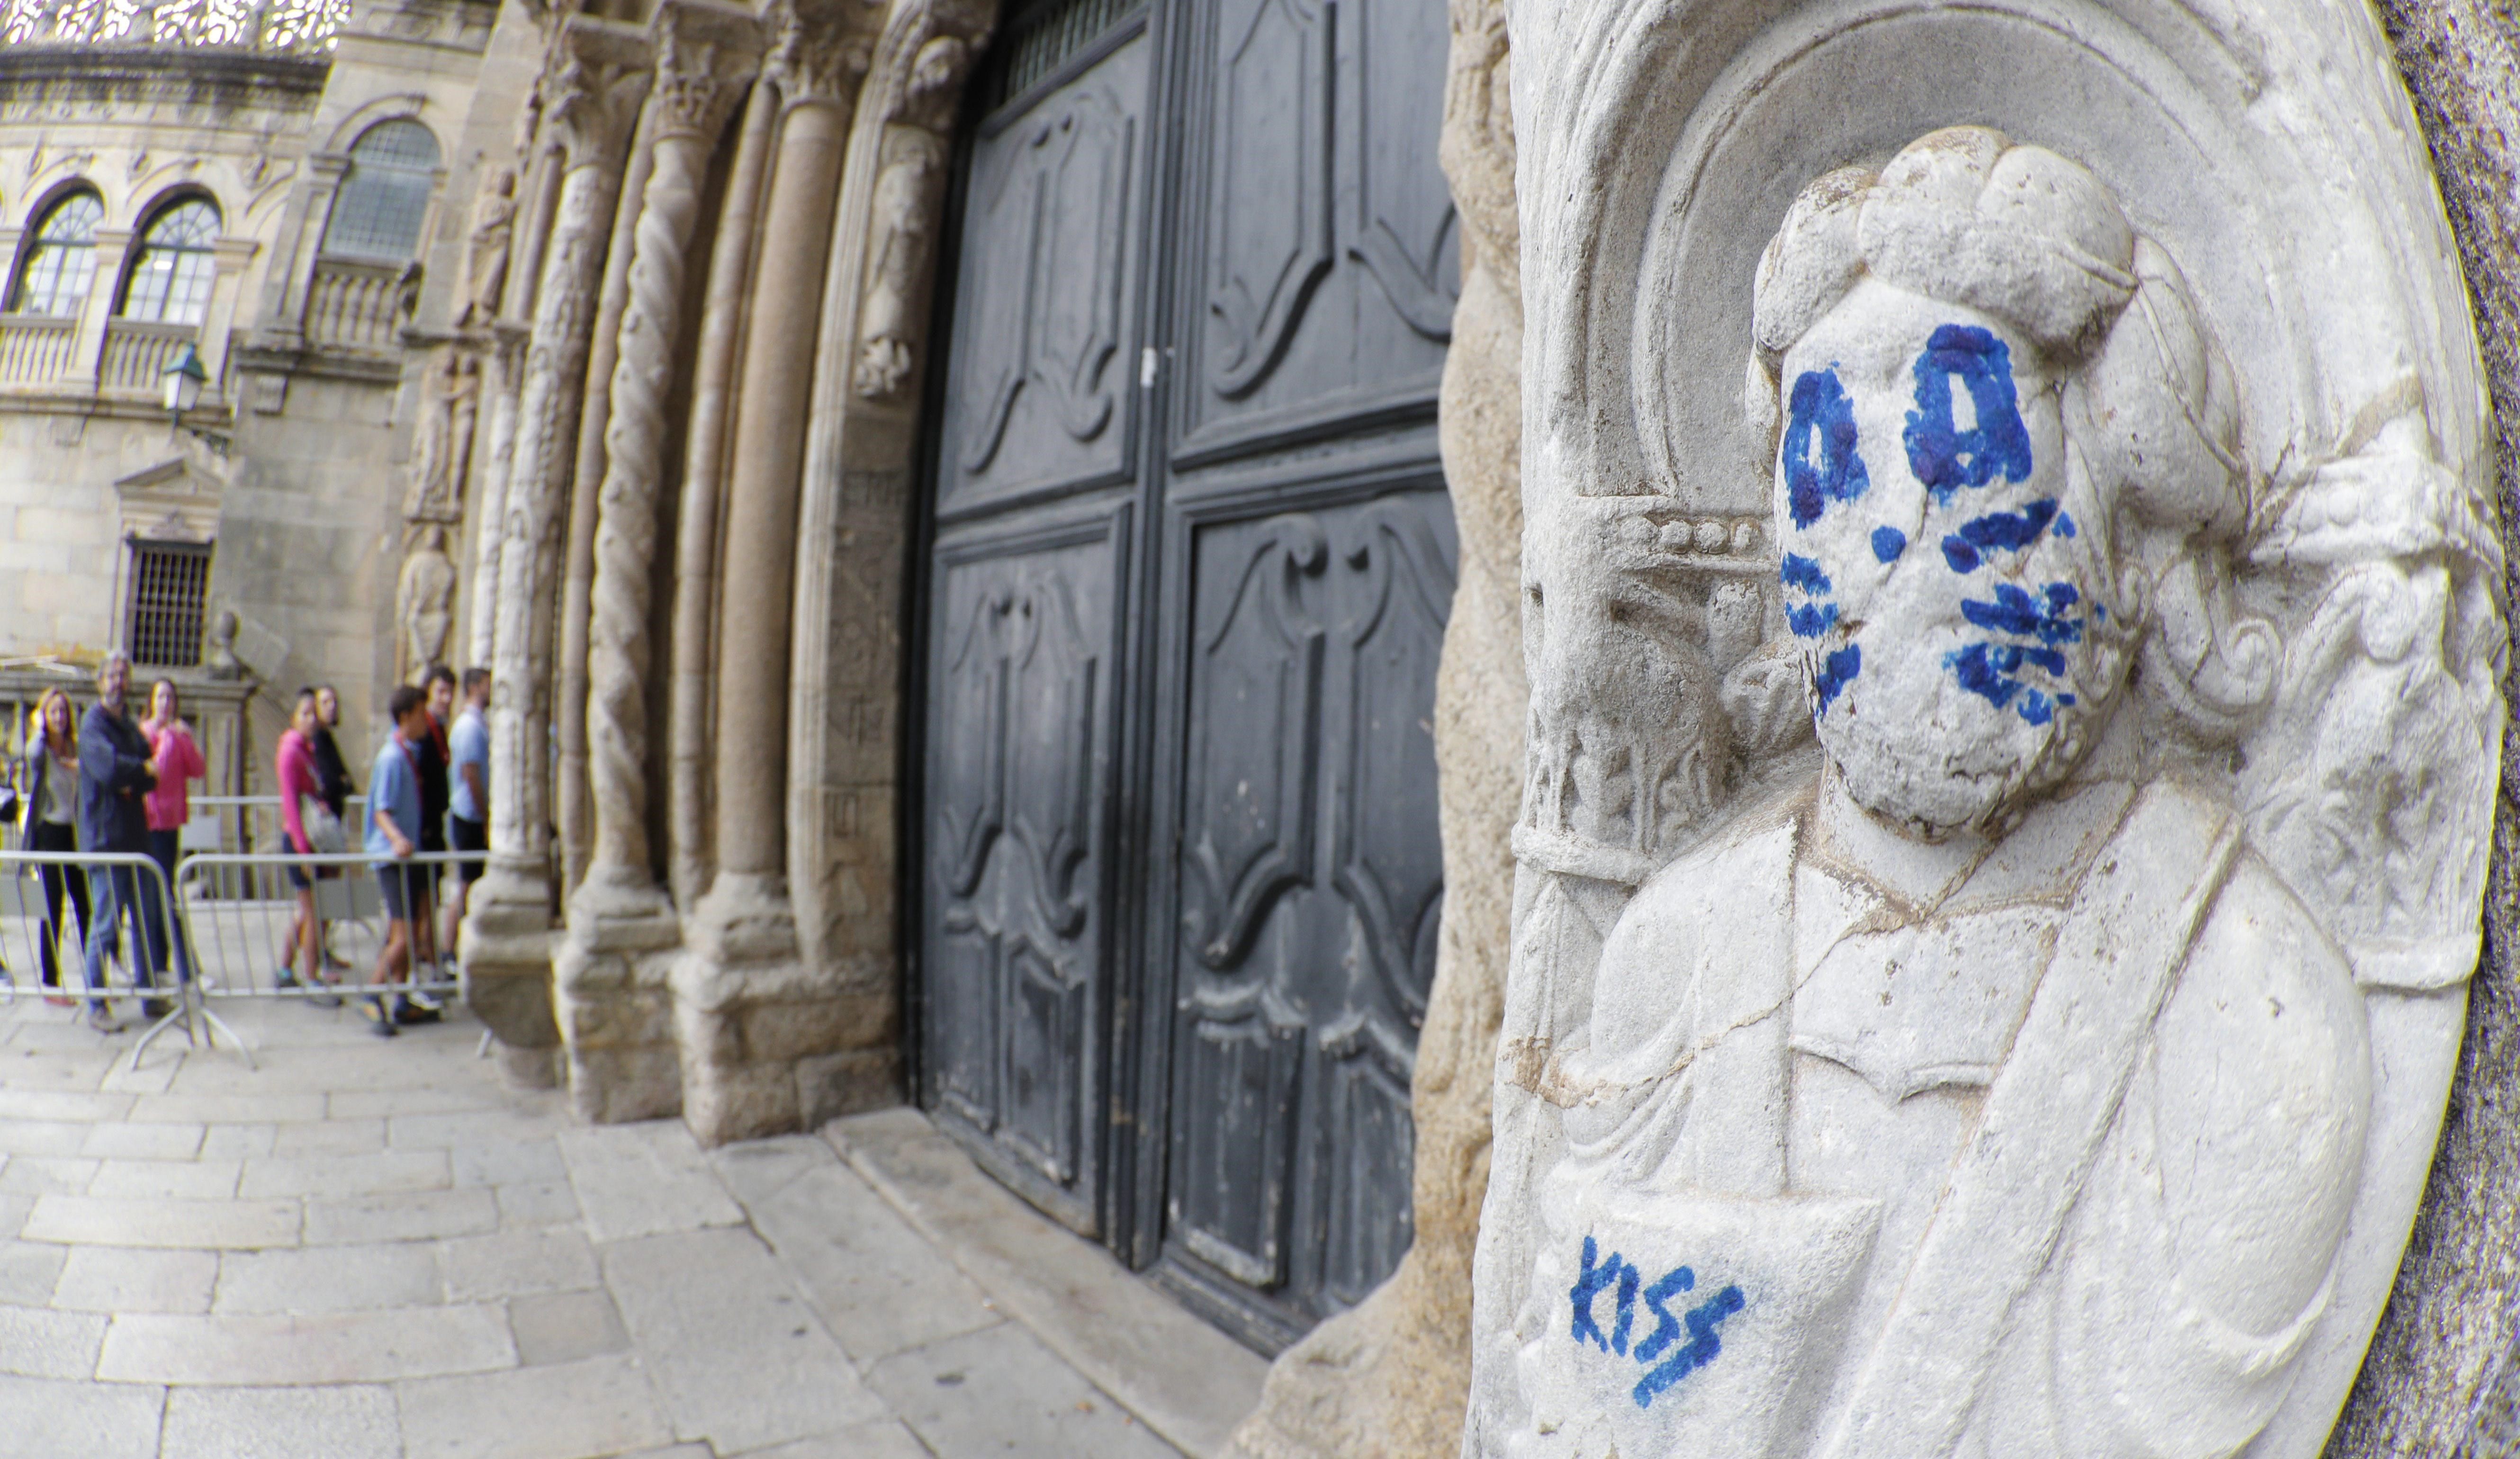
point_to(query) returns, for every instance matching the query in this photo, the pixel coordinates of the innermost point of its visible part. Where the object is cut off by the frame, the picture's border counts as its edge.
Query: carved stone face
(1946, 572)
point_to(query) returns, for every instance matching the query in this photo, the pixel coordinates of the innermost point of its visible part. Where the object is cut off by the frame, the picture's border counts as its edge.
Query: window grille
(377, 213)
(1047, 37)
(162, 618)
(170, 278)
(62, 264)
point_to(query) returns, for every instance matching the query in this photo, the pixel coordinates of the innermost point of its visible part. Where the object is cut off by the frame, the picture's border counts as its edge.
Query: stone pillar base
(507, 961)
(768, 1044)
(528, 1069)
(612, 996)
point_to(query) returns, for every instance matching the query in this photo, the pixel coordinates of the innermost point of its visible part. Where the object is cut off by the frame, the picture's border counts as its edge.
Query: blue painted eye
(1836, 671)
(1888, 542)
(1944, 456)
(1819, 450)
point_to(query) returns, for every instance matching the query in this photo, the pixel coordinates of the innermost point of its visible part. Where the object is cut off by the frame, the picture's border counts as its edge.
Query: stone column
(230, 256)
(573, 811)
(1391, 1376)
(854, 530)
(598, 75)
(503, 364)
(690, 856)
(737, 992)
(113, 251)
(613, 972)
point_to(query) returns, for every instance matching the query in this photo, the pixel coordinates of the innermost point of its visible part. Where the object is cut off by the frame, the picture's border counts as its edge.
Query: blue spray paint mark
(1836, 671)
(1666, 1325)
(1811, 620)
(1992, 671)
(1628, 1277)
(1702, 1348)
(1594, 1278)
(1997, 531)
(2065, 525)
(1888, 542)
(1802, 573)
(1829, 468)
(1944, 456)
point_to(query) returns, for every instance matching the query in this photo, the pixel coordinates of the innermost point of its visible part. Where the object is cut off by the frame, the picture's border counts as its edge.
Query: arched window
(377, 213)
(170, 277)
(61, 265)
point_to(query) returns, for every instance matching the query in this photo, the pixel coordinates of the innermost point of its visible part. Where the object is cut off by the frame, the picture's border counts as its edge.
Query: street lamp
(183, 381)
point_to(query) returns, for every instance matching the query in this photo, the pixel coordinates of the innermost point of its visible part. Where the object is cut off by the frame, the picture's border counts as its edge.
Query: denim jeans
(120, 889)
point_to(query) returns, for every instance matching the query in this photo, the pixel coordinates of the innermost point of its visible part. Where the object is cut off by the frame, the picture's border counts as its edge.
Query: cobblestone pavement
(370, 1249)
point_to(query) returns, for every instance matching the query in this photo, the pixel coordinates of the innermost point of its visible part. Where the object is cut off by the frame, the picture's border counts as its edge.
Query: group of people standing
(426, 793)
(103, 782)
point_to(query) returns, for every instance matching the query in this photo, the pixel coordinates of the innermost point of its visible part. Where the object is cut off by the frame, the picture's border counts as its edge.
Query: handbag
(325, 834)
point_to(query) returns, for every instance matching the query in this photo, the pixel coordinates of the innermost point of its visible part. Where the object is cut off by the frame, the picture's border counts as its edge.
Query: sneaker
(154, 1009)
(428, 1001)
(412, 1011)
(102, 1020)
(378, 1017)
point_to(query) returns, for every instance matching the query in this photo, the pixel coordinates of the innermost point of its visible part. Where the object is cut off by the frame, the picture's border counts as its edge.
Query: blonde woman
(50, 774)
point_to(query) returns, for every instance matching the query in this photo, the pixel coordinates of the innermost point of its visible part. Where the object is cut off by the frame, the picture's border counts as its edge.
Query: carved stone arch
(399, 107)
(44, 202)
(165, 199)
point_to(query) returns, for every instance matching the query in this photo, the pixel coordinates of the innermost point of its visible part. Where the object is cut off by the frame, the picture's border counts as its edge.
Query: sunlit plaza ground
(359, 1247)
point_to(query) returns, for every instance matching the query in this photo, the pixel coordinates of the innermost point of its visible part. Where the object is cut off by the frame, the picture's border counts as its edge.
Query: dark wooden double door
(1190, 561)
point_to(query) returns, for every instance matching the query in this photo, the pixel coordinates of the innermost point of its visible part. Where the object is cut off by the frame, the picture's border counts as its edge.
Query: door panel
(1311, 885)
(1018, 769)
(1044, 351)
(1330, 264)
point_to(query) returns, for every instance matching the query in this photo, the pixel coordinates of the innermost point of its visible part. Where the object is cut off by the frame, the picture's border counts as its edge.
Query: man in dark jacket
(117, 771)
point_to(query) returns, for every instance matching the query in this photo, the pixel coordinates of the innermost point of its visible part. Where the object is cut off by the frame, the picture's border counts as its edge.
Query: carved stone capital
(706, 53)
(822, 49)
(595, 77)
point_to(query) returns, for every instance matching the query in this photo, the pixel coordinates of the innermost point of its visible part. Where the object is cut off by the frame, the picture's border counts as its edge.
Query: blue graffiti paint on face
(1942, 454)
(1811, 620)
(1666, 1325)
(1997, 531)
(1888, 542)
(2065, 525)
(1807, 620)
(1993, 670)
(1592, 1281)
(1703, 1345)
(1821, 461)
(1836, 671)
(1799, 572)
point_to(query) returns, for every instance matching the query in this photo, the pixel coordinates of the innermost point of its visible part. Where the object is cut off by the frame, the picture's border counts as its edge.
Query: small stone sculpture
(486, 249)
(441, 454)
(425, 601)
(218, 654)
(2001, 1084)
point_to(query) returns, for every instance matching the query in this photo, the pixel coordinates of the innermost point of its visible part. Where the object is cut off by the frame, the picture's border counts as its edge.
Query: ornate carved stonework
(425, 601)
(441, 452)
(820, 49)
(2044, 1054)
(486, 248)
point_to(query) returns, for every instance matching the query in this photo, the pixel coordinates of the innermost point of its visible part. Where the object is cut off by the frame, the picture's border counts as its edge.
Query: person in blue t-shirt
(392, 835)
(468, 805)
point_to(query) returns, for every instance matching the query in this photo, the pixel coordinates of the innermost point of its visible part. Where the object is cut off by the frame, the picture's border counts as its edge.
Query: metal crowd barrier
(246, 823)
(47, 900)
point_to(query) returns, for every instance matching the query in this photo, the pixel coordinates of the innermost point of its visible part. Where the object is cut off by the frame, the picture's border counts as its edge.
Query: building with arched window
(258, 193)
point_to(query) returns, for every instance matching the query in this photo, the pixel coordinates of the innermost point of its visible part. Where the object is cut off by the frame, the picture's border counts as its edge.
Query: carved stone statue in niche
(425, 601)
(905, 194)
(486, 248)
(441, 454)
(2001, 1086)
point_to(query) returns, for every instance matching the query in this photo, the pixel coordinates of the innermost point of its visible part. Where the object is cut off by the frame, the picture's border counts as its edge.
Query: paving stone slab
(46, 1419)
(167, 1180)
(35, 1343)
(879, 1285)
(507, 1162)
(370, 1173)
(1003, 1392)
(144, 1142)
(262, 1107)
(402, 1215)
(330, 1279)
(738, 1356)
(96, 1220)
(472, 1127)
(536, 1202)
(243, 1349)
(237, 1141)
(1189, 1381)
(563, 1327)
(38, 1173)
(515, 1263)
(645, 1179)
(29, 1270)
(889, 1439)
(349, 1421)
(600, 1406)
(304, 1137)
(417, 1099)
(42, 1136)
(119, 1279)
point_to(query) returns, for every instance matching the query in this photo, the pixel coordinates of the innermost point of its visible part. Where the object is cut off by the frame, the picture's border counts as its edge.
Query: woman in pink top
(295, 767)
(179, 764)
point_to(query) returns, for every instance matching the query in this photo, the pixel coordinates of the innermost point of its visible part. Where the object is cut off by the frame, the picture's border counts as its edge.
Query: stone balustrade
(137, 354)
(36, 351)
(353, 305)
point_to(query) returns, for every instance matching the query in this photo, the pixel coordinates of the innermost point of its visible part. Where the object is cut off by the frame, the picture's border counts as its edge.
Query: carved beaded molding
(2013, 608)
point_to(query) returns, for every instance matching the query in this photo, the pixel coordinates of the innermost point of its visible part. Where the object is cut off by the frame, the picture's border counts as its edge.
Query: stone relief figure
(218, 653)
(425, 601)
(486, 248)
(442, 451)
(906, 195)
(1996, 1082)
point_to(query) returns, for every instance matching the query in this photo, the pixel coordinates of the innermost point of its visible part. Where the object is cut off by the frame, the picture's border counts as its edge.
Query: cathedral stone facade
(1000, 531)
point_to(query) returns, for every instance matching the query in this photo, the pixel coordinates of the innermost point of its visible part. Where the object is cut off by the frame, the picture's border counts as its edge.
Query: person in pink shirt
(179, 764)
(300, 790)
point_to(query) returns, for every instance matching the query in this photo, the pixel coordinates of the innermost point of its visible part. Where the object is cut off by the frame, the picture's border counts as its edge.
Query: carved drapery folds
(918, 81)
